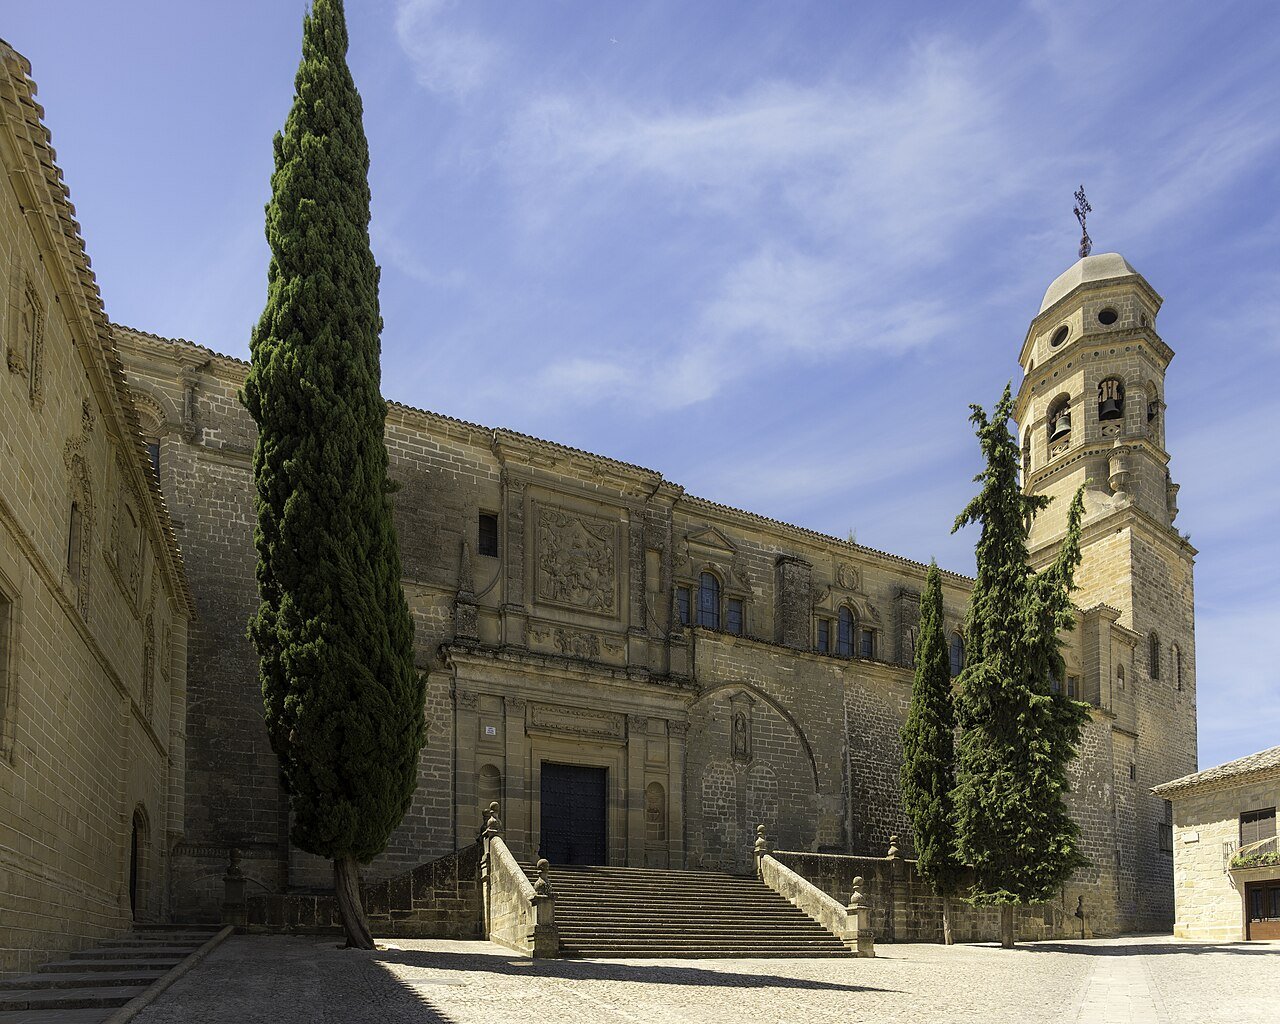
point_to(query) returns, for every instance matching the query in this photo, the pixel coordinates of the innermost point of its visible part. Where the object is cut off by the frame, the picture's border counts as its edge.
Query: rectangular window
(682, 605)
(824, 636)
(1166, 829)
(866, 643)
(488, 545)
(6, 615)
(734, 611)
(153, 452)
(1257, 825)
(1073, 687)
(73, 545)
(1133, 771)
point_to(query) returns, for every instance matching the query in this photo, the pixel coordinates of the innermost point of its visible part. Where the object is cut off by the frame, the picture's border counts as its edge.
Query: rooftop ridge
(498, 432)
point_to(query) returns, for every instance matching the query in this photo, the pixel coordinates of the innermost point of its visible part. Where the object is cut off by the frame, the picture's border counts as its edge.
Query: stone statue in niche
(576, 560)
(741, 736)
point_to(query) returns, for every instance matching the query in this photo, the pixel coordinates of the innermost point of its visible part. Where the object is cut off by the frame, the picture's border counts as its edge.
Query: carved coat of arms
(576, 560)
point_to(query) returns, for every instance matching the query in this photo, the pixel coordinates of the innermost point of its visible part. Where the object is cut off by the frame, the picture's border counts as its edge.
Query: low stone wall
(437, 900)
(517, 916)
(818, 904)
(904, 907)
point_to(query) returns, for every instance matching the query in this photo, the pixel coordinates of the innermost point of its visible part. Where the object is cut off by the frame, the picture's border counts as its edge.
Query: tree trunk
(947, 938)
(1006, 925)
(346, 887)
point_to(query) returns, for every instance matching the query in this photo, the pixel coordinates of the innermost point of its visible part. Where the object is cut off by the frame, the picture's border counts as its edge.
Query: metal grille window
(1257, 825)
(733, 613)
(1166, 829)
(824, 636)
(957, 654)
(1154, 643)
(844, 634)
(488, 535)
(1073, 687)
(682, 605)
(708, 601)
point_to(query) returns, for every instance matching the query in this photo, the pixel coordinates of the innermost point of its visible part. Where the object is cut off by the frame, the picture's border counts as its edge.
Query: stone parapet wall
(437, 900)
(904, 907)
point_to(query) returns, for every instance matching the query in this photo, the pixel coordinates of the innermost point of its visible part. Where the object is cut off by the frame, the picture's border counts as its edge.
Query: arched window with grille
(957, 654)
(708, 601)
(1175, 654)
(844, 633)
(1154, 654)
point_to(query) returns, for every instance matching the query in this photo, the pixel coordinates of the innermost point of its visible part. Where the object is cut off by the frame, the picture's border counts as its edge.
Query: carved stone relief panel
(577, 721)
(576, 560)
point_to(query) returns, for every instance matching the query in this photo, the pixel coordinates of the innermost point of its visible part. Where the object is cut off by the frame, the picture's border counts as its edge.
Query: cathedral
(636, 675)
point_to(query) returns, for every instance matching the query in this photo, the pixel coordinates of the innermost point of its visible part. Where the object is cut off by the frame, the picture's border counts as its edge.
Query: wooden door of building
(1262, 909)
(574, 809)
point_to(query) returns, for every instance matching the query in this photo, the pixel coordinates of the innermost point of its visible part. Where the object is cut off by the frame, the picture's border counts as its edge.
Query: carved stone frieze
(577, 721)
(576, 560)
(577, 645)
(468, 699)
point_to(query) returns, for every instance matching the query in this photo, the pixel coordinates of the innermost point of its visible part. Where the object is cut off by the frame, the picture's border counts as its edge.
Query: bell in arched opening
(1110, 400)
(1060, 426)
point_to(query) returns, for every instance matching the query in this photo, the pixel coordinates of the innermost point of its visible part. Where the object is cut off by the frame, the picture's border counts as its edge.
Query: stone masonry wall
(1206, 832)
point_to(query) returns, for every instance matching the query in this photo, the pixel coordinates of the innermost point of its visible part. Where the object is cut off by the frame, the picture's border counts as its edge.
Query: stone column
(516, 784)
(466, 729)
(637, 737)
(677, 732)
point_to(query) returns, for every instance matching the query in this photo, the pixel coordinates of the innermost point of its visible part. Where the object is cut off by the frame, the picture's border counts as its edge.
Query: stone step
(701, 953)
(167, 941)
(96, 1015)
(133, 952)
(68, 999)
(139, 963)
(86, 979)
(177, 926)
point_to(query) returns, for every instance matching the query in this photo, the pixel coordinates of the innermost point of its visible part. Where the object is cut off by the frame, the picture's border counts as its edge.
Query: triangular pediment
(710, 537)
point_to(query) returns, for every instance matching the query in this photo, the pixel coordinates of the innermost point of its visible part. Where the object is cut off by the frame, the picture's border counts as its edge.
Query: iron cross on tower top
(1083, 209)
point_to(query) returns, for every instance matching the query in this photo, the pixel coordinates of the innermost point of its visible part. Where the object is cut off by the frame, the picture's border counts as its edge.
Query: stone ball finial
(762, 842)
(855, 898)
(893, 848)
(542, 887)
(492, 824)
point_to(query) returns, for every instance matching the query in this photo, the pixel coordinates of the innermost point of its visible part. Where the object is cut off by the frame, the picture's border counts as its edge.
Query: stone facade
(93, 604)
(710, 669)
(1207, 813)
(548, 587)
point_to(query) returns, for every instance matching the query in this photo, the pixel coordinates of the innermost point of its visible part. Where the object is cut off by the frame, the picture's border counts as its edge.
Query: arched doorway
(137, 854)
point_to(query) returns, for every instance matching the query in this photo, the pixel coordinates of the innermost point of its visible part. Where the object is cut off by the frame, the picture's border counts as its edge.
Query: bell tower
(1091, 413)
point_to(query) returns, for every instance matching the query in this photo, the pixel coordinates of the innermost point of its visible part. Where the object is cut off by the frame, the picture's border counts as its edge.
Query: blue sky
(772, 250)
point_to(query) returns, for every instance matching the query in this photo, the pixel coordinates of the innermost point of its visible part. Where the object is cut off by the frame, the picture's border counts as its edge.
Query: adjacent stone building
(93, 604)
(637, 675)
(1226, 861)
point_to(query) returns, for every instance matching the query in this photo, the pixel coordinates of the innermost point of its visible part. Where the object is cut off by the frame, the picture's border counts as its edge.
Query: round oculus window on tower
(1059, 336)
(1107, 317)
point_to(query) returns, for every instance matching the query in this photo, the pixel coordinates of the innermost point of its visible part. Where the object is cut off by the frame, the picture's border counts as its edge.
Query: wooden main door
(574, 808)
(1262, 910)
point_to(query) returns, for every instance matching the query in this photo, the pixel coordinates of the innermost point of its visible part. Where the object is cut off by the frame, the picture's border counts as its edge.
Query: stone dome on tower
(1106, 266)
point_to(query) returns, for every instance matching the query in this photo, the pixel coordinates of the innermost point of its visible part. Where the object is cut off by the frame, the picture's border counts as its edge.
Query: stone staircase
(649, 912)
(87, 987)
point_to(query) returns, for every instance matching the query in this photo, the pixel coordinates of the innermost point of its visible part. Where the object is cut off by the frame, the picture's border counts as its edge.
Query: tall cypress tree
(928, 753)
(343, 701)
(1018, 734)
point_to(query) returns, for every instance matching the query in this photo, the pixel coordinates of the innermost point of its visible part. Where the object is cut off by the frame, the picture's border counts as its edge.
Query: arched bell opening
(1058, 422)
(1110, 399)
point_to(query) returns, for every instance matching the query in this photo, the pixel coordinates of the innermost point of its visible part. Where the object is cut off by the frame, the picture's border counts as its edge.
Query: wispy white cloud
(446, 58)
(838, 190)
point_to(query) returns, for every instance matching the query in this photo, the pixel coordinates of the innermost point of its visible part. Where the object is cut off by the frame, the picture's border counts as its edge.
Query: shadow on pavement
(1153, 948)
(655, 973)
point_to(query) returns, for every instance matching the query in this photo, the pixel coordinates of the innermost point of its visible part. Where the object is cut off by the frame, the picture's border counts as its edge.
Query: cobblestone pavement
(292, 979)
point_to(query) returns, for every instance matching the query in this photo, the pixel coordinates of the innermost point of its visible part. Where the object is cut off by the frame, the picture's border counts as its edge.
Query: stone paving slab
(1128, 981)
(92, 1016)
